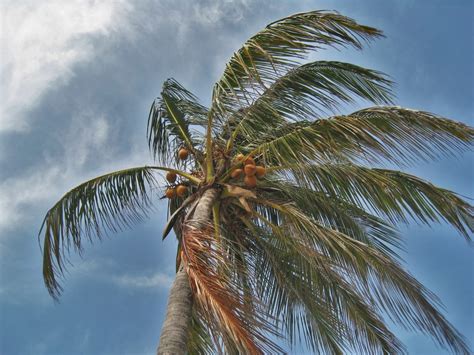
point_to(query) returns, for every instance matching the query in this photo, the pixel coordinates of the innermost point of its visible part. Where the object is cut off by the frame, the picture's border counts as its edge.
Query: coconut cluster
(176, 190)
(250, 171)
(172, 191)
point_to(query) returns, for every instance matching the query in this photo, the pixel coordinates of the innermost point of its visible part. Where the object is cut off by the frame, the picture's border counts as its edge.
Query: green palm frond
(336, 213)
(374, 274)
(376, 134)
(199, 340)
(176, 209)
(309, 297)
(277, 48)
(170, 121)
(187, 102)
(108, 203)
(415, 134)
(284, 288)
(393, 194)
(306, 92)
(179, 126)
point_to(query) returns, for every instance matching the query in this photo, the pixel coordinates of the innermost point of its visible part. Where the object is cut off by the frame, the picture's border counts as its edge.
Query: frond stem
(188, 176)
(209, 162)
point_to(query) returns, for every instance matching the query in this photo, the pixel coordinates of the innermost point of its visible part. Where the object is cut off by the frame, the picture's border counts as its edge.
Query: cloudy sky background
(77, 79)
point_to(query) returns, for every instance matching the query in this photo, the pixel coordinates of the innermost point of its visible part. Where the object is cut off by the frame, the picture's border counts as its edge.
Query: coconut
(250, 181)
(249, 161)
(250, 169)
(239, 157)
(183, 153)
(171, 177)
(260, 171)
(170, 192)
(237, 173)
(181, 190)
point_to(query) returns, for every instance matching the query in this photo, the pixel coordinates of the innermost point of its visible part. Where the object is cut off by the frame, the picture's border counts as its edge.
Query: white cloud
(213, 12)
(97, 267)
(41, 41)
(88, 138)
(157, 280)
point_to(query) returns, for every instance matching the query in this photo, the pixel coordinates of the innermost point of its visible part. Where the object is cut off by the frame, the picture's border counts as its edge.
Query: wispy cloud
(40, 44)
(89, 138)
(109, 271)
(213, 12)
(157, 280)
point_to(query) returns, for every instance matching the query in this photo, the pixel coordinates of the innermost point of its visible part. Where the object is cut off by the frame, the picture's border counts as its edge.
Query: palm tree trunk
(174, 333)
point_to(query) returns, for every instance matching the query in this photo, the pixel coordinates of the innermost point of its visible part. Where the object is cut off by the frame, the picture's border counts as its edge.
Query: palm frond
(415, 134)
(374, 274)
(233, 241)
(306, 92)
(374, 135)
(170, 119)
(218, 297)
(393, 194)
(277, 48)
(108, 203)
(176, 208)
(308, 296)
(336, 213)
(199, 340)
(187, 102)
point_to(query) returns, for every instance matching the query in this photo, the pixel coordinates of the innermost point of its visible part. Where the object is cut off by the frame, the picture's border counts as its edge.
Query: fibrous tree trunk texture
(174, 333)
(173, 338)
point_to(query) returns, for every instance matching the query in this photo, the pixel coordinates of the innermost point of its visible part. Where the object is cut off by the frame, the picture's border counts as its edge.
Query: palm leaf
(108, 203)
(337, 214)
(306, 92)
(187, 102)
(170, 119)
(217, 295)
(276, 49)
(393, 194)
(179, 125)
(375, 134)
(378, 277)
(199, 340)
(175, 214)
(311, 296)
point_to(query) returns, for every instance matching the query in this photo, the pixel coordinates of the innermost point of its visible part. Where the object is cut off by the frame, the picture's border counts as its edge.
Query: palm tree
(309, 252)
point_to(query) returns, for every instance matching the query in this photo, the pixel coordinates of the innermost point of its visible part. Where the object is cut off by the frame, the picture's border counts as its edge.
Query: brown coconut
(237, 173)
(260, 171)
(250, 181)
(239, 157)
(250, 169)
(181, 190)
(171, 177)
(170, 192)
(249, 161)
(183, 153)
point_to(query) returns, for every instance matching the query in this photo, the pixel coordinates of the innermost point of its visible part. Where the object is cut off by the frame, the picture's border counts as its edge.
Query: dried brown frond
(216, 293)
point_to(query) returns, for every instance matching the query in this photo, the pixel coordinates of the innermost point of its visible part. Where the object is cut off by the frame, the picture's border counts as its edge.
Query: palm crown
(310, 251)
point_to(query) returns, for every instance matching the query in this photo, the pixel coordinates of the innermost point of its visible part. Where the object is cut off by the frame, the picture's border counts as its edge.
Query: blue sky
(77, 79)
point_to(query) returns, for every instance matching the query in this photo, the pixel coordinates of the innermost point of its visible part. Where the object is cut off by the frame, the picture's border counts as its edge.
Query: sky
(77, 80)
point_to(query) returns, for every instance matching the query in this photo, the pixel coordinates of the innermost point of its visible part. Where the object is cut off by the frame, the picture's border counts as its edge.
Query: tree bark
(174, 333)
